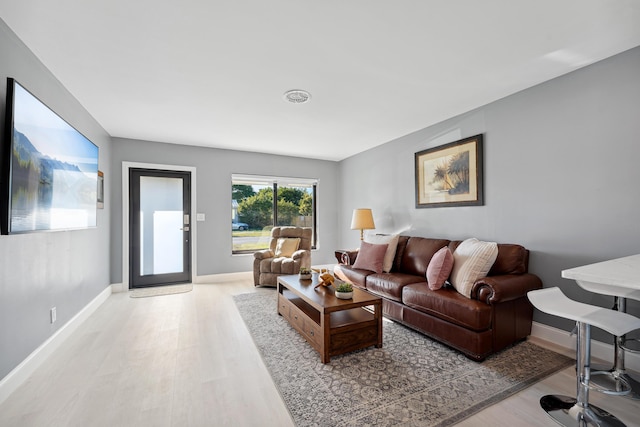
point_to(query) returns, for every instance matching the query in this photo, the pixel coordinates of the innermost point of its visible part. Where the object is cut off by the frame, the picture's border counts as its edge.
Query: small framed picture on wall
(100, 190)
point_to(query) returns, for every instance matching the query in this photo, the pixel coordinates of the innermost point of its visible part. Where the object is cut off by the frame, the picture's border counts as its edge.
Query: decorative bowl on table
(344, 290)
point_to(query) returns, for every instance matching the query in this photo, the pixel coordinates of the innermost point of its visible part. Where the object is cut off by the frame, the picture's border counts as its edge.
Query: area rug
(161, 290)
(410, 381)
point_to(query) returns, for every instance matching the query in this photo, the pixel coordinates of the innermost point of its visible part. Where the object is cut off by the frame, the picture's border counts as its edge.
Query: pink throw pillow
(370, 257)
(439, 268)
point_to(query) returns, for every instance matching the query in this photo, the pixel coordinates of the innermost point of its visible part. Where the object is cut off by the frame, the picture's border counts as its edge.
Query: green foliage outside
(292, 195)
(256, 209)
(239, 192)
(306, 205)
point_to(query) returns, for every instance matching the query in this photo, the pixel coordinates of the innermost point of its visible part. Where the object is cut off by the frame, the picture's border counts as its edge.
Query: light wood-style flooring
(188, 360)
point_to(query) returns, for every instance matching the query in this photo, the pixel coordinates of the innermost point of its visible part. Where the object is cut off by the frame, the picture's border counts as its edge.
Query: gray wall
(213, 197)
(65, 269)
(561, 175)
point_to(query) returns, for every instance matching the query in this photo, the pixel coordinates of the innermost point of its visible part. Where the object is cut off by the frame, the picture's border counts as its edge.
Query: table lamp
(362, 219)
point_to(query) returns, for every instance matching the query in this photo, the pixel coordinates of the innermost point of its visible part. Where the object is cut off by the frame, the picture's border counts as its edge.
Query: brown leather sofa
(497, 315)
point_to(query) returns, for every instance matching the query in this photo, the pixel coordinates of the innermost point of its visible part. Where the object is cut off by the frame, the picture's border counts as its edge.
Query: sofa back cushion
(512, 259)
(416, 254)
(402, 244)
(303, 233)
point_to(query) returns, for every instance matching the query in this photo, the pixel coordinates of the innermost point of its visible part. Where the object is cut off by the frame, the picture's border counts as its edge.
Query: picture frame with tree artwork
(450, 174)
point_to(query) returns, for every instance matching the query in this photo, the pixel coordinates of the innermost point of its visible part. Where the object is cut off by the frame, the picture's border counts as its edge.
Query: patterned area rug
(410, 381)
(161, 290)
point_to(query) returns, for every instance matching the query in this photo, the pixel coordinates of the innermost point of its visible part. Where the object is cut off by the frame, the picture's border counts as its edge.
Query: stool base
(612, 381)
(564, 410)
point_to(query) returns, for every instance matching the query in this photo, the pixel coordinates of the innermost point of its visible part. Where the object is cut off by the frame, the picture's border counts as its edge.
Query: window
(259, 203)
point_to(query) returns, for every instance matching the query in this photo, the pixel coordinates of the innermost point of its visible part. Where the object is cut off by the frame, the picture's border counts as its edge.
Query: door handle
(185, 229)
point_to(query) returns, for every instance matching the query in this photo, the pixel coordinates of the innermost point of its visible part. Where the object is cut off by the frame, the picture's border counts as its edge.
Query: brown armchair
(289, 249)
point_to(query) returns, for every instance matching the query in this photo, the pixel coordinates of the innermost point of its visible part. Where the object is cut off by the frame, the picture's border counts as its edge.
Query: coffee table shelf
(306, 308)
(330, 325)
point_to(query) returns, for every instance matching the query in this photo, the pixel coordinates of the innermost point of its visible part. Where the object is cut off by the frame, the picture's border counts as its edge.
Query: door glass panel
(161, 223)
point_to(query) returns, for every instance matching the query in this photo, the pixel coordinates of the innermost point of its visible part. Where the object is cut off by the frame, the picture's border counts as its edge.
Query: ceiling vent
(297, 96)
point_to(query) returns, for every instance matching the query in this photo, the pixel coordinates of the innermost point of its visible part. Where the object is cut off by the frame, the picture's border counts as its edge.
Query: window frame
(275, 182)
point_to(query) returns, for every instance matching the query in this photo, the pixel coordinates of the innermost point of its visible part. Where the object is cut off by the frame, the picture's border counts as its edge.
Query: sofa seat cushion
(449, 305)
(355, 276)
(389, 285)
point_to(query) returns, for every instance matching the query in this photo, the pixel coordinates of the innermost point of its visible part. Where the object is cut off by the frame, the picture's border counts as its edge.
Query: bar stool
(620, 343)
(566, 410)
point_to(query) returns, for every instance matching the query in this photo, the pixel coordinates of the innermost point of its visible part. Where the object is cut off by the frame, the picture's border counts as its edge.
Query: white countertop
(622, 272)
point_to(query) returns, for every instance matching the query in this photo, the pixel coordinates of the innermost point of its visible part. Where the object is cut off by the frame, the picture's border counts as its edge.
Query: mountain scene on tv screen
(41, 184)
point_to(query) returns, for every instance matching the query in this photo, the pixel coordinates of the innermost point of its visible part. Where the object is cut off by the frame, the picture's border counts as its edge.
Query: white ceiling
(212, 73)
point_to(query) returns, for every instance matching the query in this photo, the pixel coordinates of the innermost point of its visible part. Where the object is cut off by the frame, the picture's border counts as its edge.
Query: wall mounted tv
(49, 170)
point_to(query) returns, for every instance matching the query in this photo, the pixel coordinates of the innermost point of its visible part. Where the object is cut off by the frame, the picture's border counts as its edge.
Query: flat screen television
(49, 176)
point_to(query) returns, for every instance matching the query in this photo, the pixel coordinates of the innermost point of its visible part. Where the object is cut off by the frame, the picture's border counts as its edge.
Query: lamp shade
(362, 219)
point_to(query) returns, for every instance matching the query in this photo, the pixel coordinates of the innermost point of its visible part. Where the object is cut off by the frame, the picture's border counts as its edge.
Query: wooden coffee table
(332, 326)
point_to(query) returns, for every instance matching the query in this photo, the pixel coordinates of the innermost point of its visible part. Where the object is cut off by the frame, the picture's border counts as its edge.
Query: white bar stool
(566, 410)
(620, 343)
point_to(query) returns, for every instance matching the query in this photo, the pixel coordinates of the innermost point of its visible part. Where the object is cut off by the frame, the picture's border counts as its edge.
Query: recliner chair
(289, 249)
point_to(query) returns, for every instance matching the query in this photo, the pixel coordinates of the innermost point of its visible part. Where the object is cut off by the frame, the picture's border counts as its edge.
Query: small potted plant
(344, 290)
(305, 273)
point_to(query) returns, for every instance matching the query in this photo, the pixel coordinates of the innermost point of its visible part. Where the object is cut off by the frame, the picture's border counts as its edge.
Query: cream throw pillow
(472, 260)
(392, 244)
(287, 246)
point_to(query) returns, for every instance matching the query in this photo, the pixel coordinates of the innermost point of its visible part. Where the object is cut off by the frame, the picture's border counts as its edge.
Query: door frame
(126, 166)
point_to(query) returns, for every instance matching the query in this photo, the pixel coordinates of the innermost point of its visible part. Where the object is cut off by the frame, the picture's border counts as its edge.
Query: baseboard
(567, 345)
(21, 373)
(118, 287)
(209, 278)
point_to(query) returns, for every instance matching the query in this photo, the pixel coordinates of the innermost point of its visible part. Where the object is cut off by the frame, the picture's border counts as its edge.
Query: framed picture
(450, 175)
(100, 190)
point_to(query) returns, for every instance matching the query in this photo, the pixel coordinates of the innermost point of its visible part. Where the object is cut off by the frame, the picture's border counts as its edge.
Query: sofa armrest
(497, 289)
(346, 256)
(263, 254)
